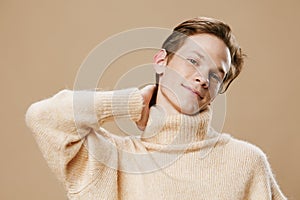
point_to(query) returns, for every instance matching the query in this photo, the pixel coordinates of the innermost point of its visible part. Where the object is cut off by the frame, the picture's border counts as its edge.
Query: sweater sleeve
(61, 123)
(263, 185)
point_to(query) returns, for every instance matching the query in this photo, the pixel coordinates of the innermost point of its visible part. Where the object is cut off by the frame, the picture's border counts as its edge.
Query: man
(178, 155)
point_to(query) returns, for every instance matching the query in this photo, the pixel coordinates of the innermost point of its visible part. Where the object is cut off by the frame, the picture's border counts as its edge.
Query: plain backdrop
(43, 43)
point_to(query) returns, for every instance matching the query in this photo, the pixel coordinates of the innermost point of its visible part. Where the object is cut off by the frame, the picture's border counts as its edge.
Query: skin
(191, 79)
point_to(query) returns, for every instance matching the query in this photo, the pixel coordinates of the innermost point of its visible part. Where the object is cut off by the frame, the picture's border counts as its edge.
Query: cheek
(213, 92)
(170, 88)
(180, 68)
(171, 77)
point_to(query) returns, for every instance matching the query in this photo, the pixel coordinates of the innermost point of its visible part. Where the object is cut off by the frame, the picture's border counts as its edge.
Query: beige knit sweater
(176, 157)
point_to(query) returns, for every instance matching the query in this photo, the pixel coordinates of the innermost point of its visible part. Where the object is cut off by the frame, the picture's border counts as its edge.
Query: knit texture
(176, 157)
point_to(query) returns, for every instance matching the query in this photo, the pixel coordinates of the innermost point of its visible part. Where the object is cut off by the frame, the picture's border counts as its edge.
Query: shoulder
(245, 150)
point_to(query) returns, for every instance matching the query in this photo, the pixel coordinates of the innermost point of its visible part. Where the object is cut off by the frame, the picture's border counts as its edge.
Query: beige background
(43, 43)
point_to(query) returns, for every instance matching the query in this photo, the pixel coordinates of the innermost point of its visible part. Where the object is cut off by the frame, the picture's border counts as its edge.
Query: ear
(160, 60)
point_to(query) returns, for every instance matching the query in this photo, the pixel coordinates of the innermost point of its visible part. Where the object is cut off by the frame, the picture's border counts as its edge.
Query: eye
(193, 61)
(215, 76)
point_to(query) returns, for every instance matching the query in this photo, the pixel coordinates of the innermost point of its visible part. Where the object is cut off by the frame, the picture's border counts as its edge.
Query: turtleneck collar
(176, 129)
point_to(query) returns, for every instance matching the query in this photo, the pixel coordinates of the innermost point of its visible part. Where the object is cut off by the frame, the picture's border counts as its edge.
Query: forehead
(210, 47)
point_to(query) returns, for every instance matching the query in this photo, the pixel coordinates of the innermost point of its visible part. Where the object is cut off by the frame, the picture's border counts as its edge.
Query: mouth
(196, 92)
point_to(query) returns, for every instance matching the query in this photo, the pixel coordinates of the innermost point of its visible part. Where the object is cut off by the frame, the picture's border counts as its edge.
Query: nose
(201, 80)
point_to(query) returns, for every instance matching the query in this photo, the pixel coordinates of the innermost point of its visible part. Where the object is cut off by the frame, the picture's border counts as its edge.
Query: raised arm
(61, 123)
(70, 111)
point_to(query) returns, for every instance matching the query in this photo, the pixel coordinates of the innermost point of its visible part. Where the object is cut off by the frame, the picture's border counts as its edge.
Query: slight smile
(192, 90)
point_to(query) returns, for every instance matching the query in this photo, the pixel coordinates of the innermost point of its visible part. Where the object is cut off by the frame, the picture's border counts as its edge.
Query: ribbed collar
(176, 129)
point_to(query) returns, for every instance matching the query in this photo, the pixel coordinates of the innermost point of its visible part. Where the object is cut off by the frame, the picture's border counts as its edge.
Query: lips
(193, 90)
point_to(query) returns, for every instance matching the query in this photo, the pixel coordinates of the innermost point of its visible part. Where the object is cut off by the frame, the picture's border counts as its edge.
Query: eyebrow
(220, 69)
(198, 54)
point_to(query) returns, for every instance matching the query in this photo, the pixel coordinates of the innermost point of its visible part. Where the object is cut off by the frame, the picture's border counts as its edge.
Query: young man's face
(193, 76)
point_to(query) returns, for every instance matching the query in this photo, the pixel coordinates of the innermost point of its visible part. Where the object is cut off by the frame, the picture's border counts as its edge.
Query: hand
(147, 93)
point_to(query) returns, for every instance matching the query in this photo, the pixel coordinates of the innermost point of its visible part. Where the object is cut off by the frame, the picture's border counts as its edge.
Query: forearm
(70, 111)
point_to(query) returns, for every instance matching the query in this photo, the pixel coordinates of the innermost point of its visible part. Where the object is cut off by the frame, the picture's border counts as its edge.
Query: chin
(188, 112)
(189, 106)
(192, 109)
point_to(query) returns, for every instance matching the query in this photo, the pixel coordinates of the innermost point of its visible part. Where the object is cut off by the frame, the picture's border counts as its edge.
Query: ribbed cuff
(120, 103)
